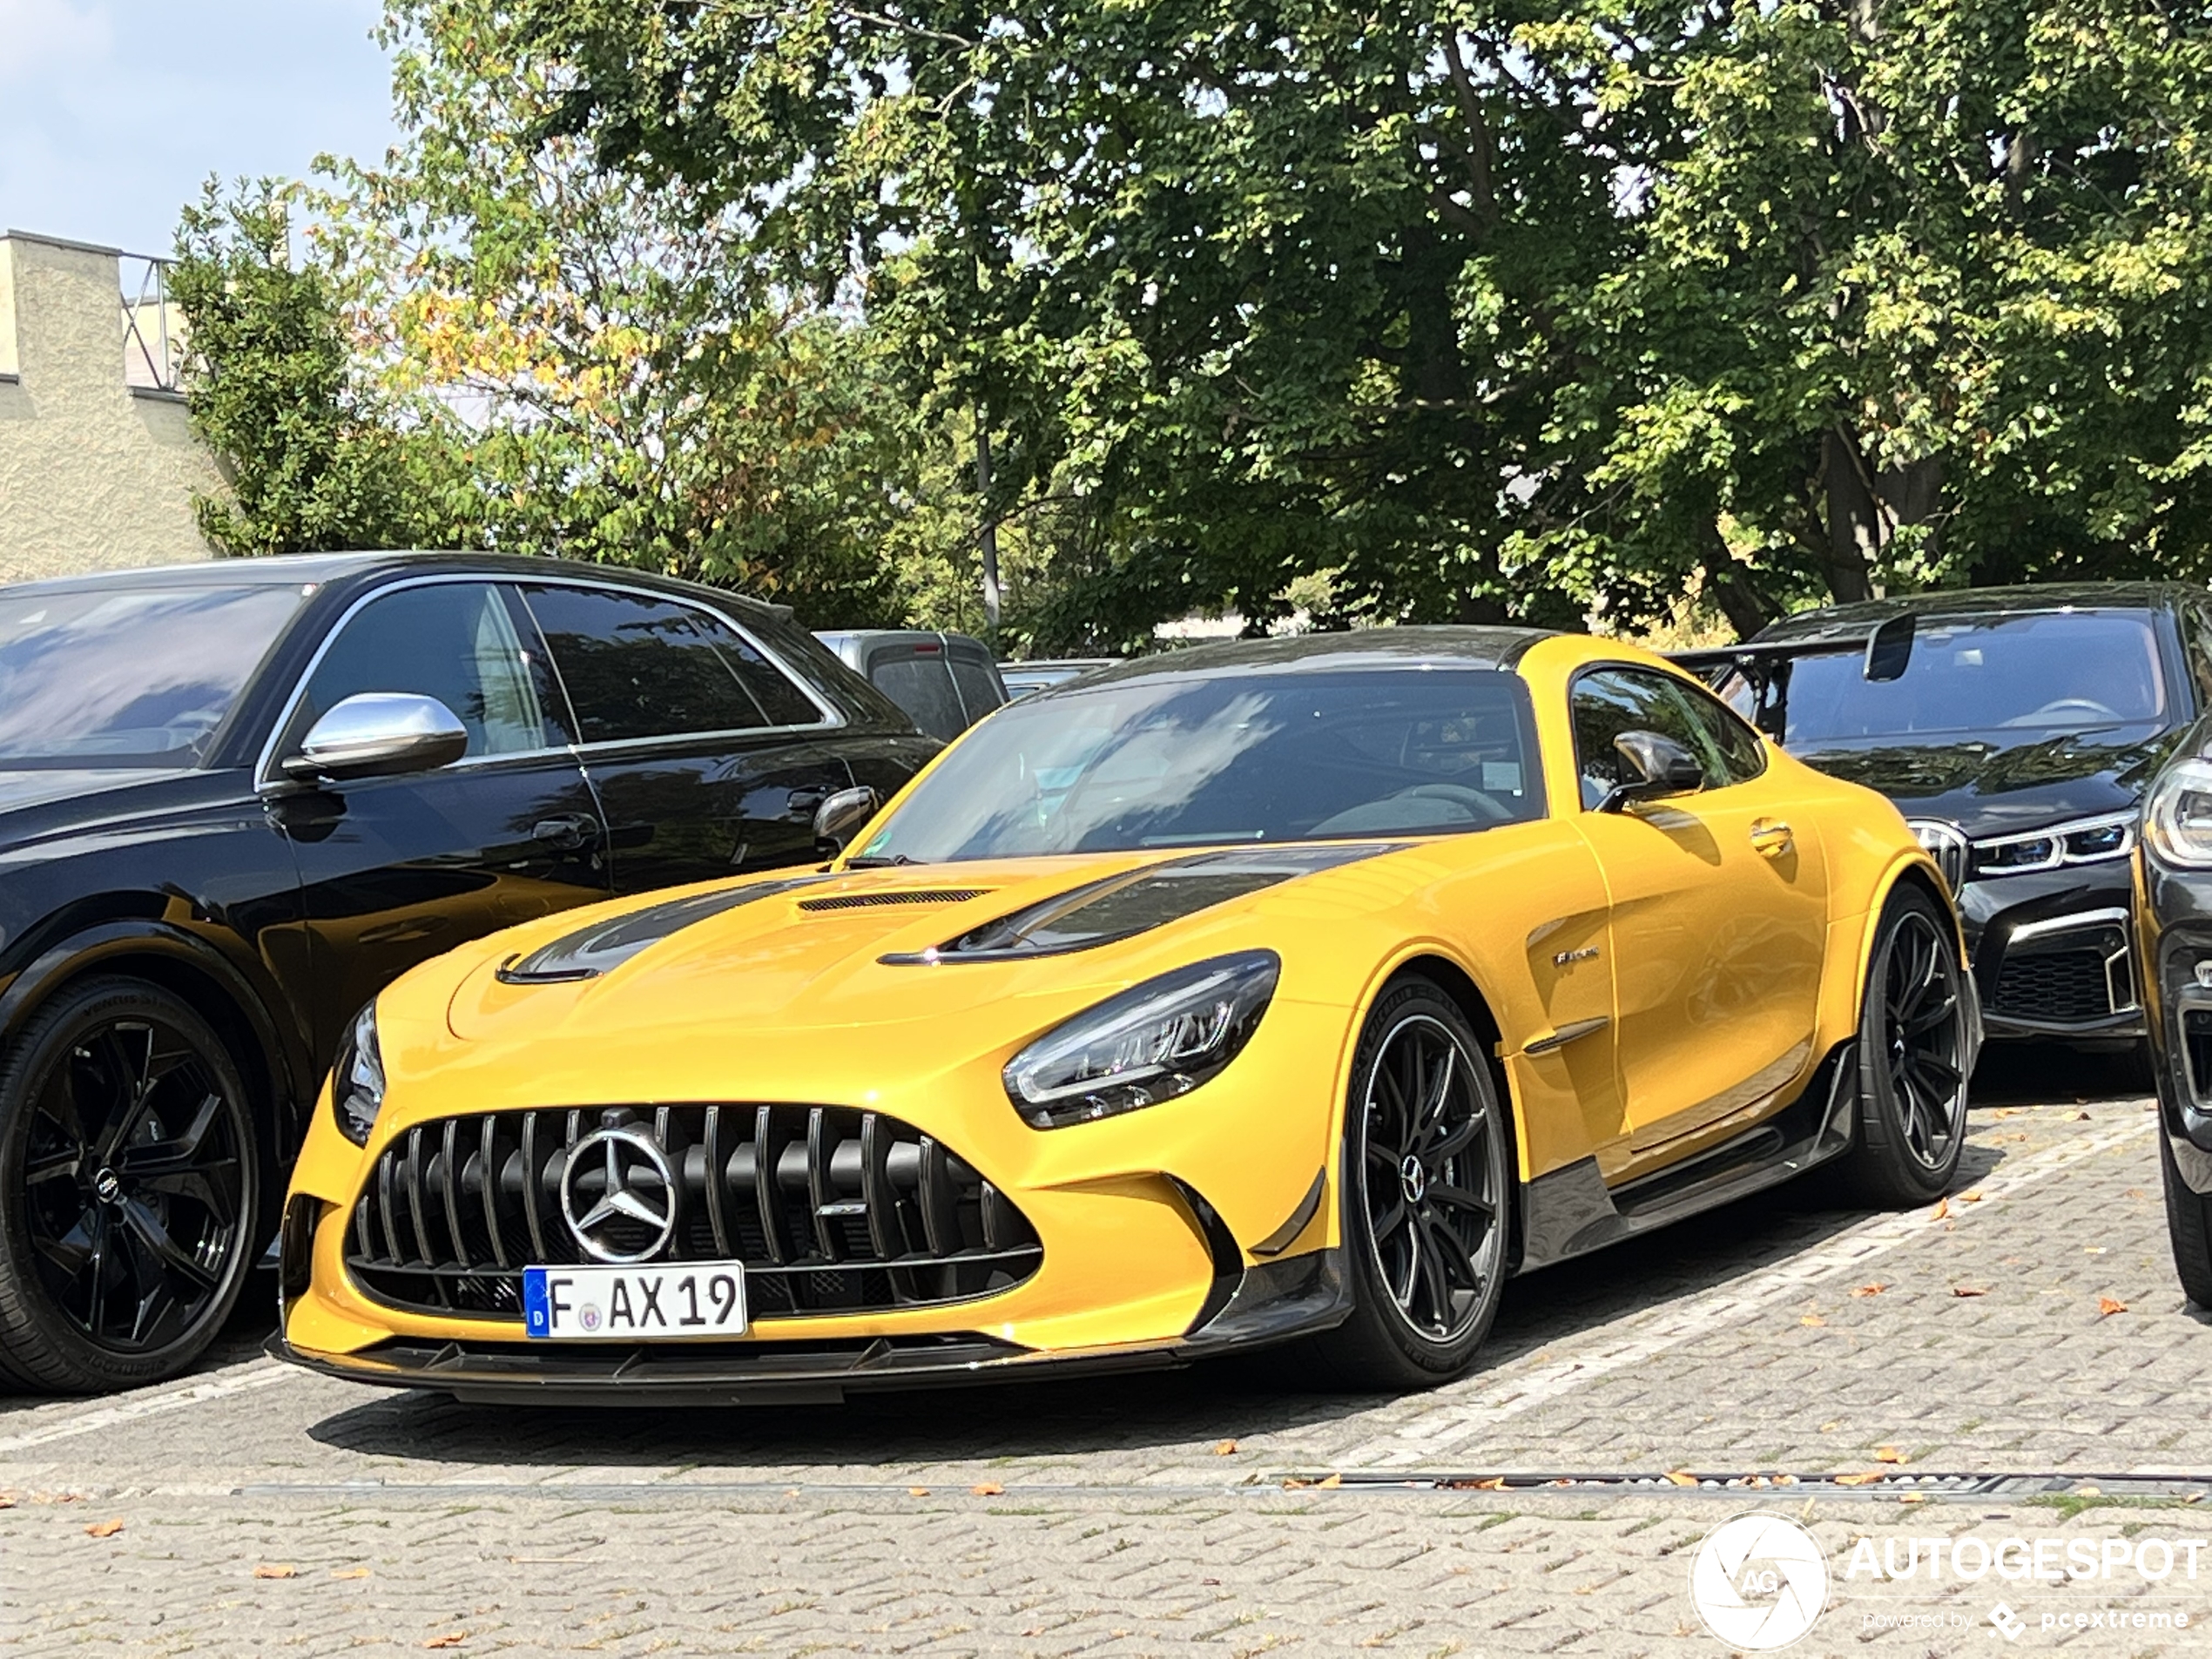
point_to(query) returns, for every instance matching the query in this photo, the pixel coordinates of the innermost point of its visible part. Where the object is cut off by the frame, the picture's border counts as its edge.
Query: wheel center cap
(1413, 1178)
(107, 1187)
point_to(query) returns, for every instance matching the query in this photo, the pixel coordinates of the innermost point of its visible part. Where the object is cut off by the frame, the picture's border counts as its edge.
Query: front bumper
(2174, 922)
(1269, 1302)
(2054, 953)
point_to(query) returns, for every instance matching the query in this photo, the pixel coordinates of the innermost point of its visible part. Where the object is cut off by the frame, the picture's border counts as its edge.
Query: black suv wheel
(1423, 1194)
(128, 1186)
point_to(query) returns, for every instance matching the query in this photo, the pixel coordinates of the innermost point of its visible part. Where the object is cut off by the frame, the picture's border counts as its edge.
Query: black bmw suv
(2016, 729)
(237, 798)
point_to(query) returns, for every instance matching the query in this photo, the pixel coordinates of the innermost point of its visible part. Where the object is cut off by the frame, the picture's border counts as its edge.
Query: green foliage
(312, 459)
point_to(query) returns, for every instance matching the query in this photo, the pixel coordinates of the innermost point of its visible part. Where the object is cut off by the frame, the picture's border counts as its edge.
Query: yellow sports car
(1268, 991)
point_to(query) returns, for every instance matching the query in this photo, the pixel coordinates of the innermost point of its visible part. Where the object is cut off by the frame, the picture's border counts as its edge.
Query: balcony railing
(153, 333)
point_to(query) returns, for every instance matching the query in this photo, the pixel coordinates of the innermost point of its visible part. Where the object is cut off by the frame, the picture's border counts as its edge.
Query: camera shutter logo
(634, 1215)
(1759, 1582)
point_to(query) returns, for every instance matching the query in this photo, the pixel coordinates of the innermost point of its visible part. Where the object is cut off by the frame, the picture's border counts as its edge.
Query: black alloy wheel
(1424, 1193)
(128, 1159)
(1911, 1058)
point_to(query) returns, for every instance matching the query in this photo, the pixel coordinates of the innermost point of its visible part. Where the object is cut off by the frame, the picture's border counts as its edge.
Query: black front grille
(2060, 987)
(2196, 1041)
(862, 1213)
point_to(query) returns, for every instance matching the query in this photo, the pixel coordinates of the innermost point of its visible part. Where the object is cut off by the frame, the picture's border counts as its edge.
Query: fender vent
(910, 895)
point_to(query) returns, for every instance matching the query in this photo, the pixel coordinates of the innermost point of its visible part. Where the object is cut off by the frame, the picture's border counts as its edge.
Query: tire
(2189, 1227)
(1912, 1118)
(129, 1189)
(1423, 1198)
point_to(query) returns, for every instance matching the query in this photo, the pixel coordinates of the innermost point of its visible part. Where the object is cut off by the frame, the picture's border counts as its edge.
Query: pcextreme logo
(1759, 1582)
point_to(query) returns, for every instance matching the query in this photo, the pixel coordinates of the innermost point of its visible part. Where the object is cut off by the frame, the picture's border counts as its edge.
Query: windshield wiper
(879, 861)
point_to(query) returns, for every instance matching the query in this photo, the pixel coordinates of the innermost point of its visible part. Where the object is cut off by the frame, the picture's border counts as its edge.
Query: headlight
(1151, 1044)
(357, 1081)
(2090, 841)
(2177, 822)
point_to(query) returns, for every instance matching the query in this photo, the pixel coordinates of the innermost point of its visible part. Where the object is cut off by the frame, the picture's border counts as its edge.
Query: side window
(979, 689)
(783, 702)
(456, 641)
(2199, 652)
(922, 685)
(639, 666)
(1612, 700)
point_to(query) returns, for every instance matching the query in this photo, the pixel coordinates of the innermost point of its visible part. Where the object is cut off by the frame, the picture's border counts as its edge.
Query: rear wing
(1765, 665)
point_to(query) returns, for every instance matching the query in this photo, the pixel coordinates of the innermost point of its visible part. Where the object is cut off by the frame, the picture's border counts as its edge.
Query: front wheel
(128, 1171)
(1423, 1190)
(1912, 1040)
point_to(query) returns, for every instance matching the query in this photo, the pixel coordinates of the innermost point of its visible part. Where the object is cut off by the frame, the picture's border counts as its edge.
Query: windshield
(2035, 674)
(1247, 757)
(118, 677)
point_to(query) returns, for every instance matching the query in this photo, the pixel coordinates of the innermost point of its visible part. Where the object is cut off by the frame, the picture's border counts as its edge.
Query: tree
(311, 458)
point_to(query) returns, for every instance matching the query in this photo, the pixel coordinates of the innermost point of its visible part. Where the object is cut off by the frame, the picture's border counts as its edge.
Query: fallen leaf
(791, 1492)
(2008, 1111)
(1829, 1428)
(1293, 1484)
(1495, 1483)
(2194, 1497)
(1224, 1449)
(1970, 1197)
(2137, 1192)
(1969, 1289)
(349, 1572)
(1331, 1482)
(451, 1639)
(7, 1500)
(1864, 1478)
(1913, 1497)
(987, 1489)
(276, 1570)
(1681, 1477)
(917, 1492)
(104, 1528)
(2109, 1306)
(1812, 1318)
(1942, 1209)
(1875, 1289)
(1889, 1454)
(1209, 1581)
(2081, 1117)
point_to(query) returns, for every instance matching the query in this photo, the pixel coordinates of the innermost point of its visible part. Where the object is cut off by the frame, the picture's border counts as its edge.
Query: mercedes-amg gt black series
(239, 798)
(2016, 729)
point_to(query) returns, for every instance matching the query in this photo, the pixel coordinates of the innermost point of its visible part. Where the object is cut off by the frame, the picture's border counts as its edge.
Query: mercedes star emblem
(640, 1189)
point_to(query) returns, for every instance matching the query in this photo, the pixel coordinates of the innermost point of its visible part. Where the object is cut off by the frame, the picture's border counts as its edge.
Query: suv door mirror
(379, 734)
(836, 818)
(1653, 767)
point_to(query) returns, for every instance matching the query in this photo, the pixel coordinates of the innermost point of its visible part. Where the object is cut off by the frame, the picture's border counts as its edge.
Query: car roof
(835, 637)
(320, 569)
(1968, 603)
(1388, 647)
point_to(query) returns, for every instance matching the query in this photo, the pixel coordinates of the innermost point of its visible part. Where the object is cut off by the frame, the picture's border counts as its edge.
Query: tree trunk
(1854, 517)
(1729, 586)
(987, 539)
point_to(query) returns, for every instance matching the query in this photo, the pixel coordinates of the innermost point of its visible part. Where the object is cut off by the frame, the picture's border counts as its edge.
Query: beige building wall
(96, 472)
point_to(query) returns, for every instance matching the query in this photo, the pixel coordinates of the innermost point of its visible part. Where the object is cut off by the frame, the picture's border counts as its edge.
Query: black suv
(237, 798)
(2016, 729)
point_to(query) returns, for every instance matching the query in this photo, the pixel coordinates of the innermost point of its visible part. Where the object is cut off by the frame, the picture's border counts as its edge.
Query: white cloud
(40, 36)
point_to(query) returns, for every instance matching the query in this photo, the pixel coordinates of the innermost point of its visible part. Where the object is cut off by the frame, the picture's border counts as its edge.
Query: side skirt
(1571, 1211)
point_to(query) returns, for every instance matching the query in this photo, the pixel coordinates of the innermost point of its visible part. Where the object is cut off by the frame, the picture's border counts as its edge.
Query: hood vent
(909, 895)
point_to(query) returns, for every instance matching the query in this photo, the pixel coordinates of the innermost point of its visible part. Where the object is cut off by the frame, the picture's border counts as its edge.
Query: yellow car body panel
(1709, 982)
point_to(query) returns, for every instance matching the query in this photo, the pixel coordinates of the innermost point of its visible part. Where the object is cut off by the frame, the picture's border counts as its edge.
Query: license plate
(594, 1304)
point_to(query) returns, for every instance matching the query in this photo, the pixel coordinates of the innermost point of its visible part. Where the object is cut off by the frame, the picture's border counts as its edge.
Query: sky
(112, 113)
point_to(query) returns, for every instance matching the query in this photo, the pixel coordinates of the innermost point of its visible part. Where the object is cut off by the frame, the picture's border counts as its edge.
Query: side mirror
(836, 818)
(379, 734)
(1656, 766)
(1889, 649)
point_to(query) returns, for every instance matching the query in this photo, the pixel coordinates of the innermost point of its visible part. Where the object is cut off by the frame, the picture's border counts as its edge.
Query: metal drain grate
(1890, 1484)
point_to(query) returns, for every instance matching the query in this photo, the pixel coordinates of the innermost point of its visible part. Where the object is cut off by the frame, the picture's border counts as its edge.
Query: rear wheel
(128, 1166)
(1912, 1059)
(1423, 1194)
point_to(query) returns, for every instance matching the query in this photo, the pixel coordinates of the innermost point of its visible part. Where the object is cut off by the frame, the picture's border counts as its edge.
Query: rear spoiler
(1764, 665)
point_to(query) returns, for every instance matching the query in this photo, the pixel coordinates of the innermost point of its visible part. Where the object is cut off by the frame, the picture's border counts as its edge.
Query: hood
(923, 944)
(2001, 782)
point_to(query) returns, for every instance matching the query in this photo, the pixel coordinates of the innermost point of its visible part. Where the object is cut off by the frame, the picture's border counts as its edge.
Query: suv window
(456, 641)
(640, 666)
(1610, 701)
(979, 688)
(922, 685)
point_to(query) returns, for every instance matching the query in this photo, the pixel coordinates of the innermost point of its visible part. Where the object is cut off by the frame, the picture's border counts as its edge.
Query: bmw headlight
(357, 1081)
(2088, 840)
(1153, 1043)
(2177, 821)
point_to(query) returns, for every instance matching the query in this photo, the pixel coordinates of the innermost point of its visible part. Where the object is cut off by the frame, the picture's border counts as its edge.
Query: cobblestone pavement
(2032, 1326)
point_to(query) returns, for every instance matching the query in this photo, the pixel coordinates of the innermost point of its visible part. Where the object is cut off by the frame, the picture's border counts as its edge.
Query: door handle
(1770, 837)
(567, 834)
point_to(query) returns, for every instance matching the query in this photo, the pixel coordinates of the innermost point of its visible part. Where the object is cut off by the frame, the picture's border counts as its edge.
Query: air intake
(906, 896)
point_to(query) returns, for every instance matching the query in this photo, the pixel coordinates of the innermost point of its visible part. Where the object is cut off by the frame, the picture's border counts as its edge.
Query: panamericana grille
(2061, 987)
(908, 895)
(860, 1213)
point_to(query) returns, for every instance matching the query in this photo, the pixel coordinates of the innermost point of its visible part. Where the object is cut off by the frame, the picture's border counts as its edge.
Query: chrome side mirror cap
(837, 818)
(379, 734)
